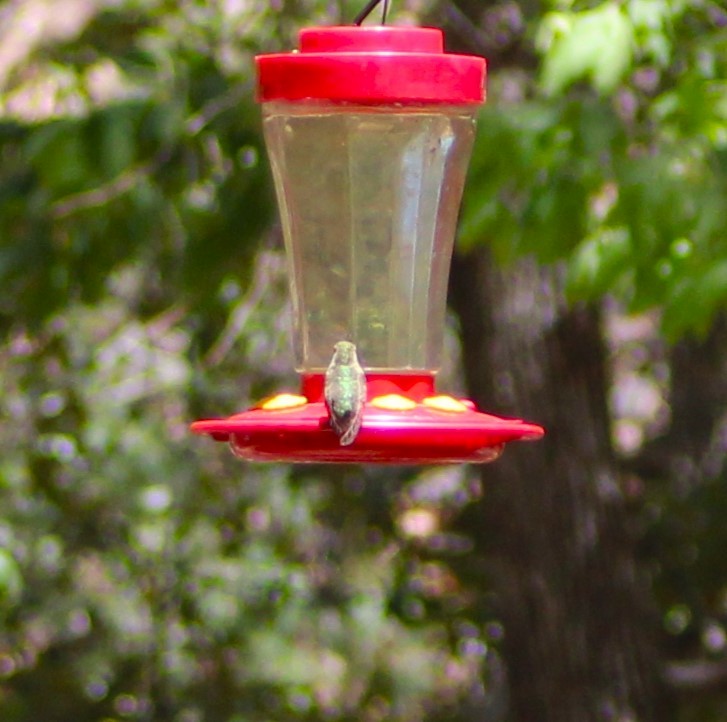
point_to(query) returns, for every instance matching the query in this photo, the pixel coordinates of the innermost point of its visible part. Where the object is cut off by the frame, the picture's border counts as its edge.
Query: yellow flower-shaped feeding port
(393, 402)
(282, 402)
(445, 403)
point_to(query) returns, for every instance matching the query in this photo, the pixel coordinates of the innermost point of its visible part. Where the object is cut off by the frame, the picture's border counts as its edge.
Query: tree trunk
(551, 530)
(694, 448)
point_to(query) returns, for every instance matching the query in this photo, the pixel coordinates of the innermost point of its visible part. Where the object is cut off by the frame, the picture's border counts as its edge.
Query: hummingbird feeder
(369, 132)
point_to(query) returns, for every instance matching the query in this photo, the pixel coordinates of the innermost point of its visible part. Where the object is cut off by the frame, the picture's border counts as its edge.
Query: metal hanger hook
(369, 9)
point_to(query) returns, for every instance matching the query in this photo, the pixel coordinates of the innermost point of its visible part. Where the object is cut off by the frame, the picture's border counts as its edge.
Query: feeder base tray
(404, 422)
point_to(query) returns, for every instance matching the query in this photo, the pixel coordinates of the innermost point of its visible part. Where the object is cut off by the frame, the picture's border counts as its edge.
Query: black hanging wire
(370, 5)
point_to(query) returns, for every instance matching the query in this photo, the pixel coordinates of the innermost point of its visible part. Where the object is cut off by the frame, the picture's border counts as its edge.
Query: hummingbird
(345, 392)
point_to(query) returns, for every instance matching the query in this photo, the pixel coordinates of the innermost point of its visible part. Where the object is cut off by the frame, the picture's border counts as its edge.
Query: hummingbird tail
(348, 435)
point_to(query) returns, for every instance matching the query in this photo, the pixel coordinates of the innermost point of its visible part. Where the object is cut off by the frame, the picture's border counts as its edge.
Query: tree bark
(694, 448)
(551, 531)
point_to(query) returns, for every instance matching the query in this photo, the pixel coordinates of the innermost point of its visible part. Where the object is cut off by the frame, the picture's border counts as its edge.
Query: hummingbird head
(345, 352)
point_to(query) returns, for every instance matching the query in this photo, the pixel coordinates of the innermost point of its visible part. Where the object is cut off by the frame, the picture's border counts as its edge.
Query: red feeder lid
(372, 64)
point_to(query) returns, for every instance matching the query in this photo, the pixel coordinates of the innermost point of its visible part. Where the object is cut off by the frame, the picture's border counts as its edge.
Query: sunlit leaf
(595, 44)
(598, 262)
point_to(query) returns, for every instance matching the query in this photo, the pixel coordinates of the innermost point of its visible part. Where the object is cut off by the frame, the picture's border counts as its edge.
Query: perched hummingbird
(345, 392)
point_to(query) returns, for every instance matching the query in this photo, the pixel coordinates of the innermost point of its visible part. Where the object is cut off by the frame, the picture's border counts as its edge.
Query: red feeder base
(404, 422)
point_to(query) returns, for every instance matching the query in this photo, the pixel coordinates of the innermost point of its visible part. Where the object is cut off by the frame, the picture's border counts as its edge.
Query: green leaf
(596, 44)
(11, 580)
(116, 147)
(598, 262)
(59, 155)
(695, 299)
(711, 290)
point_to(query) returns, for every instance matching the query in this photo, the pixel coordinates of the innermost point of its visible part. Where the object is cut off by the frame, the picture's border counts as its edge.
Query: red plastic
(372, 64)
(419, 435)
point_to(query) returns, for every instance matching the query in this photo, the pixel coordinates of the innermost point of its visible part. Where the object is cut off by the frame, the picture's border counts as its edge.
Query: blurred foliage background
(146, 574)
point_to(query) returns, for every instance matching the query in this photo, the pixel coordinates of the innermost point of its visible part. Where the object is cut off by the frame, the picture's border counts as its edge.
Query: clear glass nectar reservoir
(369, 197)
(369, 132)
